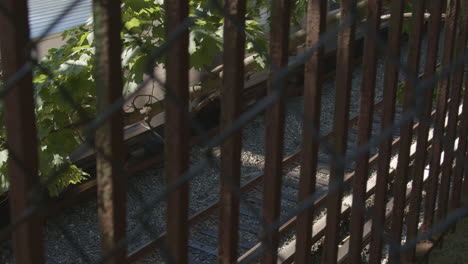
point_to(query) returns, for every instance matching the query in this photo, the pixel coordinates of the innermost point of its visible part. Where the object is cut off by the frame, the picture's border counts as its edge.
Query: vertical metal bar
(464, 135)
(364, 129)
(233, 81)
(177, 128)
(279, 36)
(111, 181)
(424, 116)
(406, 130)
(450, 34)
(20, 132)
(390, 87)
(313, 70)
(457, 82)
(344, 70)
(439, 123)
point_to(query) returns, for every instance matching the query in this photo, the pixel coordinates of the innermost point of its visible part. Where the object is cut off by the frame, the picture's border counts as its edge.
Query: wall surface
(54, 16)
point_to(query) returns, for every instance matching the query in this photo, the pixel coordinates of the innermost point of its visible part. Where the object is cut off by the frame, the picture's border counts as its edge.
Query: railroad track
(204, 233)
(203, 220)
(202, 244)
(141, 161)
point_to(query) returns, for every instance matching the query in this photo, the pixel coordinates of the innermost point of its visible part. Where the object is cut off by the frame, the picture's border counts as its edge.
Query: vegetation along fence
(379, 166)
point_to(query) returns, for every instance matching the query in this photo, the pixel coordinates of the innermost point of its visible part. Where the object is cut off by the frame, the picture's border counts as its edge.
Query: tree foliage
(64, 84)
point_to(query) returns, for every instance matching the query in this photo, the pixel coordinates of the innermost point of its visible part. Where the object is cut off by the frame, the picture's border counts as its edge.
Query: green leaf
(44, 127)
(71, 67)
(129, 54)
(134, 22)
(62, 141)
(192, 45)
(90, 38)
(136, 5)
(139, 68)
(83, 39)
(3, 156)
(40, 78)
(260, 62)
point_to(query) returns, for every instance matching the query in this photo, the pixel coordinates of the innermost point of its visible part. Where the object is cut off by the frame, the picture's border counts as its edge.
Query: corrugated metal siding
(43, 13)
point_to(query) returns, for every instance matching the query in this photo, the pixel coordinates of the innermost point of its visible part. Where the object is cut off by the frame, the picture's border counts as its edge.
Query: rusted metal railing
(427, 128)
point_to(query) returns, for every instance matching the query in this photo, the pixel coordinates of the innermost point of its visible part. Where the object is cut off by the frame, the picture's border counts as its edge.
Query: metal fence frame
(28, 207)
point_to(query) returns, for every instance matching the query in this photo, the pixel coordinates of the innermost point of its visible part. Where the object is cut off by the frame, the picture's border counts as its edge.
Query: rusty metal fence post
(108, 141)
(313, 70)
(111, 180)
(425, 100)
(445, 90)
(233, 83)
(21, 131)
(385, 149)
(439, 123)
(364, 130)
(454, 120)
(406, 131)
(279, 39)
(344, 73)
(177, 129)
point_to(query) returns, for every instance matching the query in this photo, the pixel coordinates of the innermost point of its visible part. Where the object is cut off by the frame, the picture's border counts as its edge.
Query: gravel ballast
(72, 236)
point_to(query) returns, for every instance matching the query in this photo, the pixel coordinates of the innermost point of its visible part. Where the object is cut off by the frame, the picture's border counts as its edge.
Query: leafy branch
(69, 68)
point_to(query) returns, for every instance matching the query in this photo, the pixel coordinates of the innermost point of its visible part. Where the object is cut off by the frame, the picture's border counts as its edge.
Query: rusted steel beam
(20, 132)
(364, 130)
(233, 82)
(280, 16)
(385, 149)
(344, 72)
(453, 11)
(424, 101)
(177, 129)
(111, 180)
(457, 82)
(313, 70)
(439, 124)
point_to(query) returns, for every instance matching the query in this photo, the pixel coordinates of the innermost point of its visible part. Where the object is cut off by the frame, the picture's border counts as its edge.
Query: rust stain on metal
(111, 180)
(457, 82)
(390, 88)
(431, 189)
(233, 81)
(21, 133)
(453, 11)
(364, 130)
(313, 70)
(344, 72)
(177, 130)
(279, 39)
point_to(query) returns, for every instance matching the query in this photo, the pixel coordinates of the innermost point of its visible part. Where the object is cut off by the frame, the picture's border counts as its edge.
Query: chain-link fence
(396, 205)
